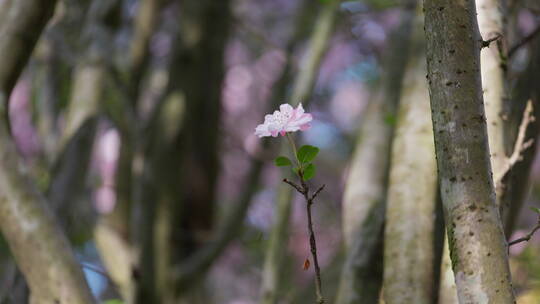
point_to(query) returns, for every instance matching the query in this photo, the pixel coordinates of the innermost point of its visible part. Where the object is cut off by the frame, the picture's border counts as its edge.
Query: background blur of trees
(127, 138)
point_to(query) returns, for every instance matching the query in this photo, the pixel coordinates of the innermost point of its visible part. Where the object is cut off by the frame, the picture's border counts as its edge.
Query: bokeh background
(186, 112)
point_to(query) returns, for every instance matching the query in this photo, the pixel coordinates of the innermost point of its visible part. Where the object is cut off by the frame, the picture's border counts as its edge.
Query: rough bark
(412, 189)
(365, 194)
(476, 240)
(303, 85)
(40, 248)
(493, 70)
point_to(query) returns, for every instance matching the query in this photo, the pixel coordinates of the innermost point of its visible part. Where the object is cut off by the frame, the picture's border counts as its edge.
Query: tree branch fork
(521, 145)
(303, 189)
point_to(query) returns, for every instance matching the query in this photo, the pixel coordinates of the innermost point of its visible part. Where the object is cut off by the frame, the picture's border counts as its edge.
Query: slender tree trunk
(490, 24)
(493, 70)
(40, 248)
(365, 194)
(410, 221)
(476, 240)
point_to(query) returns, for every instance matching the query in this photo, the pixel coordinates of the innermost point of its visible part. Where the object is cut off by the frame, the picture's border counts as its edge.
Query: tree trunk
(491, 25)
(410, 224)
(365, 194)
(40, 248)
(475, 237)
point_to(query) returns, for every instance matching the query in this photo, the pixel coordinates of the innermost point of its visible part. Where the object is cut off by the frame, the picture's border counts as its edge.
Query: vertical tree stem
(313, 247)
(304, 190)
(475, 236)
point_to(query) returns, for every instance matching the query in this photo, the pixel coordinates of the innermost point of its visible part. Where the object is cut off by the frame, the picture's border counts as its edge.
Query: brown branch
(304, 190)
(527, 237)
(317, 192)
(520, 146)
(487, 43)
(524, 41)
(295, 186)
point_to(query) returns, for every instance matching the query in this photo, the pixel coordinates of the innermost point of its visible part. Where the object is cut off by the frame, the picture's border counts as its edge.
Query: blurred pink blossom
(287, 119)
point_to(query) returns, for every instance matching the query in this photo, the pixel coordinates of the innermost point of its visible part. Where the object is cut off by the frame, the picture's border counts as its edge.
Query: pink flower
(287, 119)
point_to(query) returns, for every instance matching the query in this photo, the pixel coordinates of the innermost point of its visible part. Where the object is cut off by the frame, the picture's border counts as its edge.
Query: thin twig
(520, 146)
(487, 43)
(295, 186)
(317, 192)
(524, 41)
(304, 190)
(525, 238)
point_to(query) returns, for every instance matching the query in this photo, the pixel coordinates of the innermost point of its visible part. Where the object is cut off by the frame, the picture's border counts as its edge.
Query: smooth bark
(40, 248)
(412, 189)
(365, 194)
(475, 236)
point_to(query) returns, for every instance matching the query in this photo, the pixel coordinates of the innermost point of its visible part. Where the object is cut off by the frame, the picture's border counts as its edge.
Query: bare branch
(295, 186)
(523, 41)
(527, 237)
(487, 43)
(520, 146)
(317, 192)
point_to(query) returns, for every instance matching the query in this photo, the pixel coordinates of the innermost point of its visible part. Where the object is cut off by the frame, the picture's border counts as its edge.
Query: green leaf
(309, 172)
(282, 161)
(307, 154)
(537, 210)
(113, 301)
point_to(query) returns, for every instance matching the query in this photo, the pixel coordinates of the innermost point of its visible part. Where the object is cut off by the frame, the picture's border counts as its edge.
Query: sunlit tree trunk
(40, 248)
(412, 189)
(490, 24)
(365, 191)
(475, 237)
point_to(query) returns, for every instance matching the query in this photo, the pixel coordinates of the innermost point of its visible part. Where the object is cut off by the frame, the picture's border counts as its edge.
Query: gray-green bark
(476, 240)
(301, 92)
(412, 189)
(365, 191)
(40, 248)
(491, 25)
